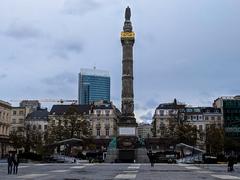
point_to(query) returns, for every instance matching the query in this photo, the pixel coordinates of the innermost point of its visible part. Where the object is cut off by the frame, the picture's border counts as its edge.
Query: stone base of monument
(141, 155)
(127, 156)
(111, 156)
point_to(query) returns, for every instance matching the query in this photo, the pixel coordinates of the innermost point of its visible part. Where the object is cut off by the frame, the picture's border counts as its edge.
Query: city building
(94, 85)
(18, 116)
(144, 130)
(32, 105)
(38, 121)
(202, 118)
(230, 106)
(61, 115)
(104, 120)
(164, 115)
(5, 121)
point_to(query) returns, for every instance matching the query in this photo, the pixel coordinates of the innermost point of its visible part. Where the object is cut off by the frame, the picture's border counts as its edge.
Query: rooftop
(94, 72)
(39, 114)
(63, 109)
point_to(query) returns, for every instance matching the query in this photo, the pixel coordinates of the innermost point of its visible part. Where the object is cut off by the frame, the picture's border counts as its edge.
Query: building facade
(144, 130)
(203, 118)
(38, 121)
(18, 116)
(164, 115)
(61, 115)
(230, 106)
(104, 118)
(94, 85)
(5, 122)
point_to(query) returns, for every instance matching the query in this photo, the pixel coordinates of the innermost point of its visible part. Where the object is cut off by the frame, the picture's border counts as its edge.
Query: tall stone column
(127, 126)
(127, 40)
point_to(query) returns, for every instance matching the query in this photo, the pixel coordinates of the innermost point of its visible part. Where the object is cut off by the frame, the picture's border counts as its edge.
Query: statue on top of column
(128, 14)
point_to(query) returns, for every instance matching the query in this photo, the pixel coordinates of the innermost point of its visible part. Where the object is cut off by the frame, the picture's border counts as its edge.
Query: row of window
(4, 115)
(206, 118)
(105, 112)
(20, 121)
(39, 127)
(106, 132)
(14, 112)
(231, 103)
(3, 130)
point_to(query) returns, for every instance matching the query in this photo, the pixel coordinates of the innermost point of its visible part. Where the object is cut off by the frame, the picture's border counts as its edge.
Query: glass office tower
(94, 85)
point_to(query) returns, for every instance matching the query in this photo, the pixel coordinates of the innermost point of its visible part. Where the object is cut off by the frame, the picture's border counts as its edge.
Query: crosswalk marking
(59, 171)
(225, 176)
(192, 167)
(30, 176)
(126, 176)
(204, 172)
(19, 167)
(77, 167)
(133, 167)
(40, 164)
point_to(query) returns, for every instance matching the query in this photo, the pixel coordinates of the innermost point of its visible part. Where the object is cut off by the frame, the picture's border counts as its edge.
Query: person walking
(151, 158)
(230, 163)
(15, 164)
(10, 163)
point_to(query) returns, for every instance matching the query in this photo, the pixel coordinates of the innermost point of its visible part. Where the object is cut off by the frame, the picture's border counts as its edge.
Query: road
(119, 171)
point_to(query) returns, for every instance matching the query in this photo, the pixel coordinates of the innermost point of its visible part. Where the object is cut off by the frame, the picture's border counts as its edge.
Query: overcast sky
(184, 49)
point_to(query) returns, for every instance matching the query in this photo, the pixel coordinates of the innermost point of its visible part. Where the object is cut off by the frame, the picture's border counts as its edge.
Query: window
(161, 112)
(107, 112)
(20, 129)
(200, 128)
(219, 118)
(212, 118)
(14, 112)
(39, 127)
(98, 132)
(45, 127)
(20, 112)
(34, 127)
(21, 121)
(107, 132)
(14, 121)
(206, 118)
(98, 112)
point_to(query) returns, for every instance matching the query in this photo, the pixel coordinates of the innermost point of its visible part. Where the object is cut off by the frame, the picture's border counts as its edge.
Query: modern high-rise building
(94, 85)
(230, 106)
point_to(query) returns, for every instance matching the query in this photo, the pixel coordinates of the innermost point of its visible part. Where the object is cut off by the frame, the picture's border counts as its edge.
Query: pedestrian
(151, 158)
(230, 163)
(15, 164)
(10, 163)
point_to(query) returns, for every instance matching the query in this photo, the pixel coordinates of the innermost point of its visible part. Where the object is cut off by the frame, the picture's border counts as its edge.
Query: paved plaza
(120, 171)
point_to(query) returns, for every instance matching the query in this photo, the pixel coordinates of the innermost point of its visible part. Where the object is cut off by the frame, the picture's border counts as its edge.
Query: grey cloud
(3, 76)
(235, 91)
(62, 79)
(20, 30)
(146, 117)
(139, 106)
(79, 7)
(152, 103)
(66, 47)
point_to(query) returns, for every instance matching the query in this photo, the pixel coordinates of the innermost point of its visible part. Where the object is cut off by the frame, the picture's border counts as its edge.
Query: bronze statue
(128, 14)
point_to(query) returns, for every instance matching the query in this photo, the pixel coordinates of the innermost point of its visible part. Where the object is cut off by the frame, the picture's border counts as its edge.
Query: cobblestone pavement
(120, 171)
